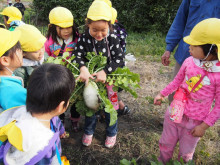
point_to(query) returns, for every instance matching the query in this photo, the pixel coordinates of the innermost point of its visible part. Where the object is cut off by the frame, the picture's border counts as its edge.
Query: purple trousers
(178, 132)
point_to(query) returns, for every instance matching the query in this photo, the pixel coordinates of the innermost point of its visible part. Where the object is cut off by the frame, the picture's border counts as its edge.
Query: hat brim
(13, 39)
(98, 18)
(13, 19)
(64, 24)
(189, 40)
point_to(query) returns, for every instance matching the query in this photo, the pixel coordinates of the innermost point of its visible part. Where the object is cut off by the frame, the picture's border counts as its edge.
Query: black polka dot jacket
(86, 43)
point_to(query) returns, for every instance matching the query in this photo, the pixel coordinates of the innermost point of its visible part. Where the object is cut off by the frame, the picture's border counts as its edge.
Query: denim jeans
(90, 124)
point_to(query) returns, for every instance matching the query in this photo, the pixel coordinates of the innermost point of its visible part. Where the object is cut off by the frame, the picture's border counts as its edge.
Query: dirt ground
(143, 121)
(139, 132)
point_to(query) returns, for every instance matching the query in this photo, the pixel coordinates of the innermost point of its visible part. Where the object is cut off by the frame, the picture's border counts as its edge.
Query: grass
(150, 43)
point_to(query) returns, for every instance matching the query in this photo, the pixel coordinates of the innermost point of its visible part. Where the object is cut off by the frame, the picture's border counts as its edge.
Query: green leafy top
(120, 78)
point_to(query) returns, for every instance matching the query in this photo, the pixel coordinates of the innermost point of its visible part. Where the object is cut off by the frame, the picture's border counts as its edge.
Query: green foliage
(127, 162)
(144, 15)
(121, 77)
(171, 162)
(79, 8)
(138, 16)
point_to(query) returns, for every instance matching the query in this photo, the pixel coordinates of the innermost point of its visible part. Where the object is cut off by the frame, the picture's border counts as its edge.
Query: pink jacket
(53, 49)
(198, 106)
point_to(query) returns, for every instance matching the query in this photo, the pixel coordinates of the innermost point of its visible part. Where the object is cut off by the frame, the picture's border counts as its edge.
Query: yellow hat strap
(208, 52)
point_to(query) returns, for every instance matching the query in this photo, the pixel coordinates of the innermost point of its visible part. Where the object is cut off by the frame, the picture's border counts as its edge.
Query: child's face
(196, 52)
(64, 33)
(35, 56)
(17, 1)
(98, 29)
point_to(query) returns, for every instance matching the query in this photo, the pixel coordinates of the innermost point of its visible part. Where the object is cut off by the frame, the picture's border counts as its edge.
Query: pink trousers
(178, 132)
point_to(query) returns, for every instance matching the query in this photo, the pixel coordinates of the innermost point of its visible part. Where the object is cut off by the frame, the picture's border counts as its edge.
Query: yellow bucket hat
(99, 10)
(31, 38)
(205, 32)
(114, 15)
(114, 11)
(13, 13)
(8, 39)
(61, 16)
(106, 1)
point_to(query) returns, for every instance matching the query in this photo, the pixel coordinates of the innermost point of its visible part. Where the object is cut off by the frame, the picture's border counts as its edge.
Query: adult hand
(199, 130)
(84, 75)
(165, 58)
(158, 99)
(100, 76)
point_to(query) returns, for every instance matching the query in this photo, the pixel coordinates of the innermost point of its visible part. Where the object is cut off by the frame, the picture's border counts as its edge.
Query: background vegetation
(137, 16)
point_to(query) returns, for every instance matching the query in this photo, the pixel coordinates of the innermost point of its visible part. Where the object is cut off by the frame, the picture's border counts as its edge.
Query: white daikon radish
(90, 95)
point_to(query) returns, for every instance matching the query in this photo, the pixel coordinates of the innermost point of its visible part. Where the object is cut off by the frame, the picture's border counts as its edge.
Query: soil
(144, 118)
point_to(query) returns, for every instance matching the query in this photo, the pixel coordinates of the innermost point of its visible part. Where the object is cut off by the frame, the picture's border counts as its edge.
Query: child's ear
(61, 108)
(5, 61)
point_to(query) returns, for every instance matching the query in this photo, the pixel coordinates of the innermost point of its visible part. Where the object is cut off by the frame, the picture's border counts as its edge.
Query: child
(12, 17)
(199, 78)
(62, 37)
(9, 2)
(12, 92)
(31, 133)
(99, 38)
(62, 34)
(32, 44)
(20, 6)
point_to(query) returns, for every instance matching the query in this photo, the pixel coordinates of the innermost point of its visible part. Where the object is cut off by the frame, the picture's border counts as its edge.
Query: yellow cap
(205, 32)
(114, 15)
(8, 39)
(61, 16)
(31, 38)
(99, 10)
(106, 1)
(13, 13)
(114, 11)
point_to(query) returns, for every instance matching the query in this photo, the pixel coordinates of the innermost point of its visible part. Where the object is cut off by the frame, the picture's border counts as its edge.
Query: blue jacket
(189, 14)
(12, 92)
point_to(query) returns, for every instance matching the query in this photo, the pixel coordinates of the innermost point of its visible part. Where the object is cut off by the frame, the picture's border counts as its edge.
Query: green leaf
(125, 162)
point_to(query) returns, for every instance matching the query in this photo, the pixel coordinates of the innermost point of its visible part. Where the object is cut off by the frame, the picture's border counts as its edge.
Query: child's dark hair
(89, 21)
(53, 32)
(6, 17)
(49, 85)
(2, 26)
(206, 49)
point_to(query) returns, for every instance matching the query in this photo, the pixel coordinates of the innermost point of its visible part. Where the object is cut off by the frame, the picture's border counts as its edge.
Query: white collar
(28, 62)
(210, 66)
(60, 41)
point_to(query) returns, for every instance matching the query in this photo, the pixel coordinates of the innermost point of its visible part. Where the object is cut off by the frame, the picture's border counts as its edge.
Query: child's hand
(100, 76)
(199, 130)
(84, 75)
(158, 99)
(64, 135)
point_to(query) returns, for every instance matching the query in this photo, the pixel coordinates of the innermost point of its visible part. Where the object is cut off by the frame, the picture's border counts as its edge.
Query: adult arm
(175, 33)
